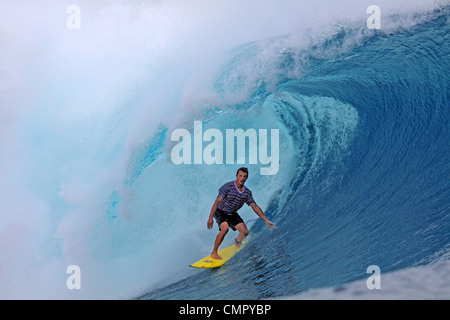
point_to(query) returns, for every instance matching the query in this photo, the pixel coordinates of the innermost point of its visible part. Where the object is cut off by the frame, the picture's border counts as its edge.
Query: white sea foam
(415, 283)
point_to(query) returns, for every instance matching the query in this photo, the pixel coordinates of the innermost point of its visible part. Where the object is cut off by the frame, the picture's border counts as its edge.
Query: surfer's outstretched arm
(261, 214)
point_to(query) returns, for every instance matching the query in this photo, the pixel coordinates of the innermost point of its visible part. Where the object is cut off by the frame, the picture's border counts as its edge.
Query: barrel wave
(370, 185)
(363, 173)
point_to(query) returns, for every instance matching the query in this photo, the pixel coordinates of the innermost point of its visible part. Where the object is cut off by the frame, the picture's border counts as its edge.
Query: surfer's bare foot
(214, 255)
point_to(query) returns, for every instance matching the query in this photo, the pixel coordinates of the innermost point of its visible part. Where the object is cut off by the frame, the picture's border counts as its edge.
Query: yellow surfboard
(225, 254)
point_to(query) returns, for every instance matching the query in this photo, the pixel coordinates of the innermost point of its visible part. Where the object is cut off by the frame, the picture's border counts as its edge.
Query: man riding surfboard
(232, 196)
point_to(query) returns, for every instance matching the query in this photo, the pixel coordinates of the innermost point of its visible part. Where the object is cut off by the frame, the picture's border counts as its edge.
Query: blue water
(87, 177)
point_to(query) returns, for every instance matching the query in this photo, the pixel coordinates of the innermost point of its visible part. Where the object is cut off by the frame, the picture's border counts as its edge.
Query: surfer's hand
(270, 225)
(210, 223)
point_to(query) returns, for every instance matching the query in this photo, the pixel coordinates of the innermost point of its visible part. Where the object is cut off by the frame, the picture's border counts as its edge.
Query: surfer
(232, 196)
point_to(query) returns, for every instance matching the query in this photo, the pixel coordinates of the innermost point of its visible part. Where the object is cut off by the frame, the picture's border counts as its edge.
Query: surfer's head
(243, 169)
(241, 175)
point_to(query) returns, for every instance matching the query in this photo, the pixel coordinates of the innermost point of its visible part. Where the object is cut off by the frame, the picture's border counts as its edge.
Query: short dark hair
(243, 169)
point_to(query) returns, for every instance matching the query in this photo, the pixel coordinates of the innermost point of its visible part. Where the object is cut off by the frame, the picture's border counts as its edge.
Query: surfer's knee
(224, 227)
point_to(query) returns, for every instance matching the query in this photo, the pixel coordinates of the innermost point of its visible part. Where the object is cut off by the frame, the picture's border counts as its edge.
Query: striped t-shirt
(233, 199)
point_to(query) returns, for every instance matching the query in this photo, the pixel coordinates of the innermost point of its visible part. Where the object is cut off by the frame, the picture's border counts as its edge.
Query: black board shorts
(232, 219)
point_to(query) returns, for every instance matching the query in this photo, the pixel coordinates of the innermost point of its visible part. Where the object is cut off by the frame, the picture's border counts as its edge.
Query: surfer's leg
(223, 231)
(243, 232)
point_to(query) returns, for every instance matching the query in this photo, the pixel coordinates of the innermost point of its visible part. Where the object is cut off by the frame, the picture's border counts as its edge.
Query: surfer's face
(241, 177)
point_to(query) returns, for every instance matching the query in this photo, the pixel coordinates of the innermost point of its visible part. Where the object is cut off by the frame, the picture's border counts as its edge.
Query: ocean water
(85, 139)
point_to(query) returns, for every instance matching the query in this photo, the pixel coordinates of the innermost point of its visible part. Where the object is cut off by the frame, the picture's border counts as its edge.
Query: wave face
(87, 176)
